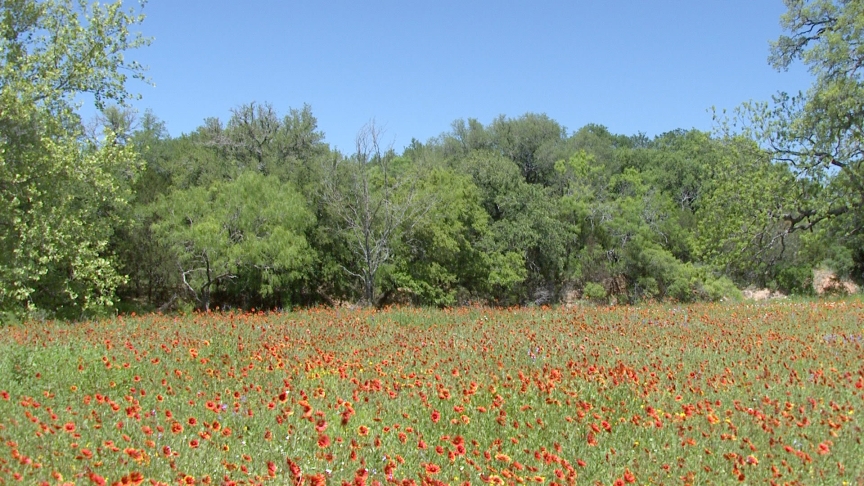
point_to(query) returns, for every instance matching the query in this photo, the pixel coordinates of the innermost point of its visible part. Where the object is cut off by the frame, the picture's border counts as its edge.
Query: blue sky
(415, 66)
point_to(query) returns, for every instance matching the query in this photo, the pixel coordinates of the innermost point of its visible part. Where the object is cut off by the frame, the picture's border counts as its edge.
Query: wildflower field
(767, 393)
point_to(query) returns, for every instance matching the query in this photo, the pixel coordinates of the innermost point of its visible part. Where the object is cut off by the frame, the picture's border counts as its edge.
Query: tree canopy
(116, 214)
(60, 198)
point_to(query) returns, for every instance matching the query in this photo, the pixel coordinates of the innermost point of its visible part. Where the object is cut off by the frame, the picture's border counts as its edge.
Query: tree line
(257, 211)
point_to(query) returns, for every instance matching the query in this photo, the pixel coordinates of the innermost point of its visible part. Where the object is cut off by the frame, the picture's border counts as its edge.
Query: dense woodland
(257, 211)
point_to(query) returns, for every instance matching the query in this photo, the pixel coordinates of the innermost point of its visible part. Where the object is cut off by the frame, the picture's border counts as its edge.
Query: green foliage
(439, 260)
(54, 50)
(256, 138)
(456, 220)
(740, 226)
(816, 134)
(251, 226)
(525, 227)
(259, 212)
(662, 276)
(594, 291)
(373, 200)
(530, 142)
(60, 198)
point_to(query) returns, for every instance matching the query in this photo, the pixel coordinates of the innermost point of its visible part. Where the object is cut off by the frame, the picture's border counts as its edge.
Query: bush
(665, 276)
(594, 292)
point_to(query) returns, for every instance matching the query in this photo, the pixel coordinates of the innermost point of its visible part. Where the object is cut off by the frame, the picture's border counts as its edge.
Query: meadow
(756, 393)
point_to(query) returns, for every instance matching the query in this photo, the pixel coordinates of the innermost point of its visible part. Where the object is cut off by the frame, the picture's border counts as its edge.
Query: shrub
(594, 292)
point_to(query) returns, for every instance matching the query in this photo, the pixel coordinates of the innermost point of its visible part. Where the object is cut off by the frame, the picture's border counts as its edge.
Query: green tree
(818, 133)
(147, 264)
(438, 260)
(253, 225)
(60, 197)
(740, 225)
(289, 147)
(526, 244)
(816, 137)
(529, 141)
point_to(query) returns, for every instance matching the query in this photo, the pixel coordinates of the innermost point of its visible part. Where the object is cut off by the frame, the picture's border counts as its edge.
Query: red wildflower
(134, 478)
(295, 469)
(362, 474)
(317, 480)
(96, 479)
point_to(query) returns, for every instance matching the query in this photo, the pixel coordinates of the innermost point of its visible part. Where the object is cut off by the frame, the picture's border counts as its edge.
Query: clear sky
(416, 66)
